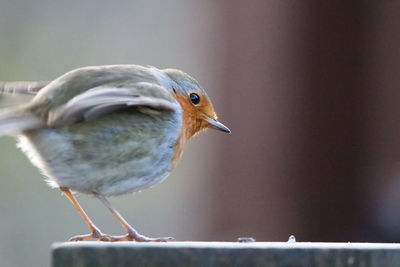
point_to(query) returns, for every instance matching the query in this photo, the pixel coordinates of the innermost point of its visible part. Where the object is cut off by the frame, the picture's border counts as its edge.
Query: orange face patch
(192, 120)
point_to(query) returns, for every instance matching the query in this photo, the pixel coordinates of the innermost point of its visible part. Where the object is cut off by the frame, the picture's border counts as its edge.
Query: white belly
(106, 162)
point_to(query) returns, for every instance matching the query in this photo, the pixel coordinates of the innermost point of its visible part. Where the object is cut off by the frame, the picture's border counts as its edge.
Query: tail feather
(15, 121)
(22, 88)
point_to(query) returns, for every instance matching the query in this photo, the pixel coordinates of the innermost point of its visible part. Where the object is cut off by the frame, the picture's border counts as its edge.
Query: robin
(108, 131)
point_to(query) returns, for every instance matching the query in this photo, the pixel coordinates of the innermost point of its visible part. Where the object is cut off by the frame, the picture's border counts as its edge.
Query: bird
(107, 131)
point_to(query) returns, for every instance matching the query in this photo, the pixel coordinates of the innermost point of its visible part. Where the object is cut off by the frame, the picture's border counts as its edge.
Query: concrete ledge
(204, 254)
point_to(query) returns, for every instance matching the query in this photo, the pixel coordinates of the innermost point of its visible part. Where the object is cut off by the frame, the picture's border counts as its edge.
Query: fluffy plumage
(108, 130)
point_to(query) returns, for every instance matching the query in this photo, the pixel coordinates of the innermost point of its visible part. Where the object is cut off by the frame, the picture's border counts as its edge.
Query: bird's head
(198, 111)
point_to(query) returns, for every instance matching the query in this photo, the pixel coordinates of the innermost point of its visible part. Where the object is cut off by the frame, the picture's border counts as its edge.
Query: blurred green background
(41, 40)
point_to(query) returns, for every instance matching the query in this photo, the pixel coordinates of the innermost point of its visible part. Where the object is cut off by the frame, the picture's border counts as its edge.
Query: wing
(78, 81)
(16, 121)
(99, 101)
(21, 88)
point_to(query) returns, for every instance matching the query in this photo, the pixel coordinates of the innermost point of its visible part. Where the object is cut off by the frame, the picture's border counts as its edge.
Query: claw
(142, 238)
(81, 237)
(132, 235)
(139, 238)
(96, 234)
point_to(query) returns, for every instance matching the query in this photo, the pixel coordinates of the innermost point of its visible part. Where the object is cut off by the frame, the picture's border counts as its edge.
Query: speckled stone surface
(204, 254)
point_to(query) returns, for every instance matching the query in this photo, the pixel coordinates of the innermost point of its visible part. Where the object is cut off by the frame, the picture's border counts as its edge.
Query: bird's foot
(96, 234)
(142, 238)
(134, 236)
(130, 236)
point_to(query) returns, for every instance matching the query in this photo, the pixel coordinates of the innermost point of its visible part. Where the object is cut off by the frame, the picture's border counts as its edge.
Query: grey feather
(13, 122)
(99, 101)
(22, 88)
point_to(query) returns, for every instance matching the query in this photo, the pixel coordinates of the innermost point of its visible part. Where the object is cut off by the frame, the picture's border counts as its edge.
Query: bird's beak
(216, 125)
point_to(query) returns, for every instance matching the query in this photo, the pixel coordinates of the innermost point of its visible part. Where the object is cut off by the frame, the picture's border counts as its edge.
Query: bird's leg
(95, 232)
(132, 234)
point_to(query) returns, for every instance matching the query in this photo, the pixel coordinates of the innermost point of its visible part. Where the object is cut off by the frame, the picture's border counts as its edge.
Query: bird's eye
(195, 98)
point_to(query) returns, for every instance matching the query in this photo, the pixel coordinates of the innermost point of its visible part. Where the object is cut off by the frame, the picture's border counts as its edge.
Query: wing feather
(99, 101)
(22, 88)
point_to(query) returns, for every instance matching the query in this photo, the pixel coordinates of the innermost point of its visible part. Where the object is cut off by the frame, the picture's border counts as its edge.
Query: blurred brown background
(313, 91)
(308, 88)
